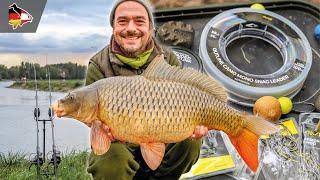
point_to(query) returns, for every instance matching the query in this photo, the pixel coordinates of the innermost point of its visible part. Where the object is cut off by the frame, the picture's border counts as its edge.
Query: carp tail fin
(246, 142)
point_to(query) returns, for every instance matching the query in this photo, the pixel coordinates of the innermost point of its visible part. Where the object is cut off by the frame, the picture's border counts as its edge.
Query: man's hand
(199, 132)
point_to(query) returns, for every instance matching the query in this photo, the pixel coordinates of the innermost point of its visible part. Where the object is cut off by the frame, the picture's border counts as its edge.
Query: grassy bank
(15, 166)
(56, 85)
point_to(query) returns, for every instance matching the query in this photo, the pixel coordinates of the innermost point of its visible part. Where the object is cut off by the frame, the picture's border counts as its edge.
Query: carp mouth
(58, 111)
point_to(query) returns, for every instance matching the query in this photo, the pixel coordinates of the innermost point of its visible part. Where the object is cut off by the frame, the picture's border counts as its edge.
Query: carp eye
(70, 97)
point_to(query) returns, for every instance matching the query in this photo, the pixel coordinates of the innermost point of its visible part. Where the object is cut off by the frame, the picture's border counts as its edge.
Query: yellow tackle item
(257, 6)
(286, 104)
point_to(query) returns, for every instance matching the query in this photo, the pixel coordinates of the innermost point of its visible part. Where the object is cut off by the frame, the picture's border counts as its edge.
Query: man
(131, 49)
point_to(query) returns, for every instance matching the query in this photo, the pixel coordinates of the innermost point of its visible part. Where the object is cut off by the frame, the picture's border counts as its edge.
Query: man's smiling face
(131, 27)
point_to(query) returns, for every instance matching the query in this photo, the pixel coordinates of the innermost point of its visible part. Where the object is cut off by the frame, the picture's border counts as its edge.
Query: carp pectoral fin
(152, 154)
(246, 143)
(100, 141)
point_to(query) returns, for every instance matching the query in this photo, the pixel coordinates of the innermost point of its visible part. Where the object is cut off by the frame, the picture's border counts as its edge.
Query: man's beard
(133, 52)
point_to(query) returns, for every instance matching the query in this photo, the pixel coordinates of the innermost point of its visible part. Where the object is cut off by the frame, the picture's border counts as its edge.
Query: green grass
(43, 85)
(15, 166)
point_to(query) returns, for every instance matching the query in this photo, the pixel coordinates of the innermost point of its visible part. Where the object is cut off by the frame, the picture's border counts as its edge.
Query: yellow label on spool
(267, 18)
(210, 165)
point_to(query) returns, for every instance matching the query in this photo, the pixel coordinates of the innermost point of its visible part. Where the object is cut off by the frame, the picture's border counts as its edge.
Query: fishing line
(304, 102)
(244, 54)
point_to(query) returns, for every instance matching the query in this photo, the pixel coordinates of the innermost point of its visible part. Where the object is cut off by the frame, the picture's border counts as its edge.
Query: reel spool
(187, 58)
(255, 53)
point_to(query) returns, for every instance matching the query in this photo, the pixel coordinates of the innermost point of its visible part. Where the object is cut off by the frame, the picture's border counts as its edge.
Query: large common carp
(163, 105)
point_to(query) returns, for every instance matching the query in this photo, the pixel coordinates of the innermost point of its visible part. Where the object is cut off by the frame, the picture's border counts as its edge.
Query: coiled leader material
(245, 87)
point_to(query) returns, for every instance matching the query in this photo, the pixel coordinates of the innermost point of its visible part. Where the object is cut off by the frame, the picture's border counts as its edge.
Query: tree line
(57, 71)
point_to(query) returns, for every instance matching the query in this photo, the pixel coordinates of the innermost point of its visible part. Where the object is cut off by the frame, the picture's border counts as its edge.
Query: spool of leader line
(187, 58)
(254, 53)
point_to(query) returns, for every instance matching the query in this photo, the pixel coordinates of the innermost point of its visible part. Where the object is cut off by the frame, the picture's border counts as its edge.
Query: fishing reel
(55, 158)
(48, 164)
(37, 159)
(36, 113)
(50, 113)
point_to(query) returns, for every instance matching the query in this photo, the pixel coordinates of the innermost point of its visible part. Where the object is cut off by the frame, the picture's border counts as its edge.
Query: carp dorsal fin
(160, 69)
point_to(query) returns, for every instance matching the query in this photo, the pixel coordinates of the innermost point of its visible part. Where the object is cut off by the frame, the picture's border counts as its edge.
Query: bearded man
(131, 49)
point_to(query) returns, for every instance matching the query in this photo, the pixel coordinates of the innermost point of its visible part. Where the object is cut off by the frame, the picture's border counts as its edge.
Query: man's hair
(145, 3)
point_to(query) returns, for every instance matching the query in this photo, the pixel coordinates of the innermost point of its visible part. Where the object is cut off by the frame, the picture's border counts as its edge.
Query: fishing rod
(56, 159)
(40, 158)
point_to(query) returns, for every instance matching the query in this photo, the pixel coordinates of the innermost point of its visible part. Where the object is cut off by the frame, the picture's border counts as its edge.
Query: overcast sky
(69, 30)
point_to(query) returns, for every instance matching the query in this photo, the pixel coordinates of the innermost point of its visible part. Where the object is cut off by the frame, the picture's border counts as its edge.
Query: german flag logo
(18, 16)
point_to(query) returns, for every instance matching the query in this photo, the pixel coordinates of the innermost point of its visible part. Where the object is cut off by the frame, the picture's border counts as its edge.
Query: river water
(18, 127)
